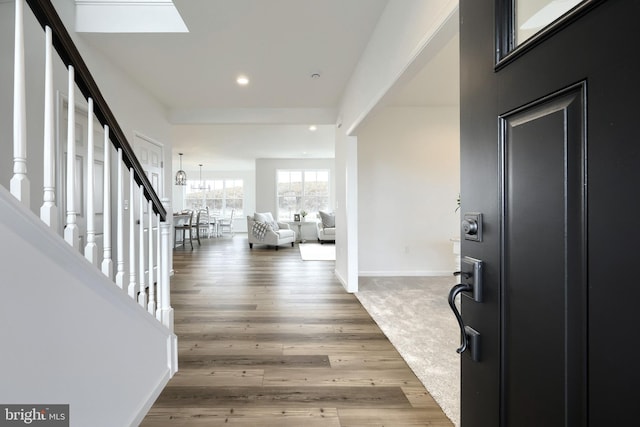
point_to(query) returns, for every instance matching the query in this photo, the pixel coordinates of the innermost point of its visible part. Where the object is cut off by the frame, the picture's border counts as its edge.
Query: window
(522, 24)
(219, 195)
(531, 17)
(300, 190)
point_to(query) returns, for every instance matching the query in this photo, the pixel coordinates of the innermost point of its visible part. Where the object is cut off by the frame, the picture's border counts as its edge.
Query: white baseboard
(404, 273)
(153, 396)
(341, 280)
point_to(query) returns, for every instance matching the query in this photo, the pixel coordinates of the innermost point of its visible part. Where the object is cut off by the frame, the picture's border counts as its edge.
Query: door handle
(453, 293)
(471, 281)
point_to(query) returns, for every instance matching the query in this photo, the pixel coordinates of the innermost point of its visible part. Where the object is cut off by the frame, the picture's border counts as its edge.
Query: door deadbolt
(472, 226)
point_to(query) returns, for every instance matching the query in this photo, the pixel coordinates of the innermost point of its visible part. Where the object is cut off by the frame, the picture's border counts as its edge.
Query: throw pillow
(267, 218)
(328, 219)
(259, 217)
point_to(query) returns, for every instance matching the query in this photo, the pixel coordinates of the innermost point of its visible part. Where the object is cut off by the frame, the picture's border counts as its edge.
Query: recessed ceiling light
(313, 128)
(242, 80)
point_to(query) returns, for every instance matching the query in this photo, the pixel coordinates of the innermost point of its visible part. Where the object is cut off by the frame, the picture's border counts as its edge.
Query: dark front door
(550, 152)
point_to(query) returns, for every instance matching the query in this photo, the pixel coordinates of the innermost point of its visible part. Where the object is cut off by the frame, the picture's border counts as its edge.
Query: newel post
(166, 312)
(151, 306)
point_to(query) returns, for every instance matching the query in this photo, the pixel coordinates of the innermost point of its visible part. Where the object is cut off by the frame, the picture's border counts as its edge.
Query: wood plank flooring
(266, 339)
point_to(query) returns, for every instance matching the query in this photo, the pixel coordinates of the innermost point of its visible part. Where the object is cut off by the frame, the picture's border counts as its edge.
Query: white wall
(404, 30)
(408, 183)
(347, 210)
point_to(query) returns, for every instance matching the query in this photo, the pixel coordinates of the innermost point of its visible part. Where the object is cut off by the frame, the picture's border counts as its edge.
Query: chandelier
(201, 185)
(181, 176)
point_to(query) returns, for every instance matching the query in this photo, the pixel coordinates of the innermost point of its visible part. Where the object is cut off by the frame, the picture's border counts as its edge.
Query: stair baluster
(142, 294)
(107, 263)
(49, 210)
(120, 223)
(71, 230)
(19, 185)
(90, 249)
(132, 238)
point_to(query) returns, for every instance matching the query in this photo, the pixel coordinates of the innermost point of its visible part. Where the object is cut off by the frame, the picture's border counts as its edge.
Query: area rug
(317, 252)
(413, 313)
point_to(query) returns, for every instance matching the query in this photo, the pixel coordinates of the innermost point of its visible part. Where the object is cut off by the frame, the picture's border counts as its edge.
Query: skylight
(128, 16)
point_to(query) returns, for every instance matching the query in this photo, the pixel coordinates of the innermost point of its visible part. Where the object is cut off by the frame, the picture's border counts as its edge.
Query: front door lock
(472, 226)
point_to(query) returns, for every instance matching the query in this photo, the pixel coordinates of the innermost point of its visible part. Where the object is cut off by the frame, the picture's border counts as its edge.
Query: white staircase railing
(145, 254)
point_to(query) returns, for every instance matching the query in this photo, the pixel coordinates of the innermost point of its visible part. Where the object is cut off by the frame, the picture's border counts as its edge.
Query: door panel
(559, 247)
(150, 154)
(479, 166)
(543, 294)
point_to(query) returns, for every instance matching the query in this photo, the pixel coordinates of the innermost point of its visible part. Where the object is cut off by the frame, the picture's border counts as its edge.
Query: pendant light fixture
(181, 176)
(201, 185)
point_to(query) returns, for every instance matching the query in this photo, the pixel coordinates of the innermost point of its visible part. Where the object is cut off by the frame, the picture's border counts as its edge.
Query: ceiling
(278, 45)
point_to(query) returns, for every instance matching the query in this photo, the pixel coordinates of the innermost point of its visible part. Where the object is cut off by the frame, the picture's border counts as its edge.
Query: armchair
(326, 227)
(263, 229)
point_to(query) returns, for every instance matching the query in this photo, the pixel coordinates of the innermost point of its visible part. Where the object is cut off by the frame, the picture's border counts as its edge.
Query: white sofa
(268, 231)
(326, 227)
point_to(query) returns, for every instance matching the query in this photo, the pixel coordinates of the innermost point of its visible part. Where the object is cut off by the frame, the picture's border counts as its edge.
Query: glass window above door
(523, 24)
(531, 16)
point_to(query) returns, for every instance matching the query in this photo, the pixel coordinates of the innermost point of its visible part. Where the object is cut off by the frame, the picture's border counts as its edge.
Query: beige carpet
(317, 251)
(414, 314)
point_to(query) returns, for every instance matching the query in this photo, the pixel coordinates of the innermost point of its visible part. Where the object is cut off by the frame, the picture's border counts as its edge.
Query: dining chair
(226, 224)
(184, 226)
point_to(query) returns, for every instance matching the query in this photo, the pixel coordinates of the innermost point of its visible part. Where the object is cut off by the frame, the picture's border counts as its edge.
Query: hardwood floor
(266, 339)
